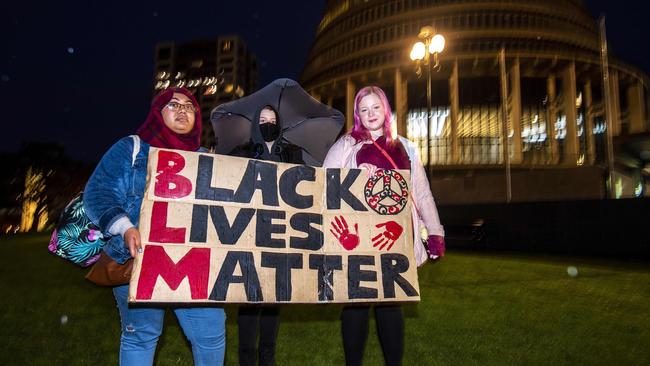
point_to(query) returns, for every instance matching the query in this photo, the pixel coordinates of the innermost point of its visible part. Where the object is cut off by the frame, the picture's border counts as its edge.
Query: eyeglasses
(177, 107)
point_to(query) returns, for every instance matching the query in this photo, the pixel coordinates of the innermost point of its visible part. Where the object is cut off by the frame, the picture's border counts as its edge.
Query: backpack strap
(136, 148)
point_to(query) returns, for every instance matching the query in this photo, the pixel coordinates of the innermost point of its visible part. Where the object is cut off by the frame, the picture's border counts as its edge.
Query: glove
(436, 246)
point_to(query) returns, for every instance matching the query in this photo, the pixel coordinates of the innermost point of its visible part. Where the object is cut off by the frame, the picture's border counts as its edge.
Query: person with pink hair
(371, 145)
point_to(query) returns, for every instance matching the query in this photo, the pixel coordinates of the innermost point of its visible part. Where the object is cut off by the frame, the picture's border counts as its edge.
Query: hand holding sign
(343, 235)
(436, 246)
(132, 241)
(372, 169)
(392, 232)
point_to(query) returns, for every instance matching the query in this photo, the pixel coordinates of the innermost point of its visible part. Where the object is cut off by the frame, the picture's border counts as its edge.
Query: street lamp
(434, 43)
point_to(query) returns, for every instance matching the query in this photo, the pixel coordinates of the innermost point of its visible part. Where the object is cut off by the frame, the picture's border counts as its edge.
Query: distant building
(35, 186)
(555, 96)
(216, 71)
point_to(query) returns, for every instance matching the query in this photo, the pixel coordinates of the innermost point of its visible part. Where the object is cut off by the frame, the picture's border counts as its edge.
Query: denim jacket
(115, 190)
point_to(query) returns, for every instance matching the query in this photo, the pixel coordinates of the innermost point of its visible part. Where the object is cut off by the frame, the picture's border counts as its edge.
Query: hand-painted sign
(223, 229)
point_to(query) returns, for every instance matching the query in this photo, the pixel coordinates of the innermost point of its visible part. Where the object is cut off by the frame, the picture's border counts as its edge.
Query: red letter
(159, 232)
(155, 262)
(169, 164)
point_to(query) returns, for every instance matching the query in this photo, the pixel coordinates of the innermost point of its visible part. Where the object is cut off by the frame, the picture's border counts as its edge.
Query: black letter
(199, 230)
(302, 222)
(337, 190)
(356, 275)
(283, 264)
(326, 264)
(289, 181)
(230, 234)
(203, 180)
(227, 234)
(248, 278)
(259, 175)
(265, 227)
(391, 274)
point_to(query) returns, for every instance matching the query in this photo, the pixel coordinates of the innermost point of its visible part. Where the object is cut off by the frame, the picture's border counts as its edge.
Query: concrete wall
(604, 228)
(528, 185)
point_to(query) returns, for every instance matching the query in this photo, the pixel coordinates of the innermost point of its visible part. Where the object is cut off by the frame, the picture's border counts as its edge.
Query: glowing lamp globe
(437, 44)
(418, 51)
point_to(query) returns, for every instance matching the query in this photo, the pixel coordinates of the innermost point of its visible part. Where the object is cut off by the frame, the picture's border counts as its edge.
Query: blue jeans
(205, 328)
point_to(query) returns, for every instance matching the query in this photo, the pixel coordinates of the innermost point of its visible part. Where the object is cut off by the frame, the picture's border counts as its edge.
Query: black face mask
(270, 131)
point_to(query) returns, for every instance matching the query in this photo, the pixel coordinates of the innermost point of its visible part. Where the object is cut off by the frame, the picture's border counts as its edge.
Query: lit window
(225, 46)
(560, 127)
(638, 191)
(211, 90)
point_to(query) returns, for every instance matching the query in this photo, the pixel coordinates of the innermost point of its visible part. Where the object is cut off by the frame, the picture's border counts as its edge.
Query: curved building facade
(550, 81)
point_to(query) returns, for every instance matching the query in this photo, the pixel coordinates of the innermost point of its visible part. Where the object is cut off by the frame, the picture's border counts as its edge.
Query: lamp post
(430, 44)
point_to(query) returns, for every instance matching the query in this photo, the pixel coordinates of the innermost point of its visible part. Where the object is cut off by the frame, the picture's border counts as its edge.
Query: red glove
(436, 246)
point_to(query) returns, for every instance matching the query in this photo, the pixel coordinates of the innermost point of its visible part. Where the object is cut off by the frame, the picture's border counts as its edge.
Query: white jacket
(343, 154)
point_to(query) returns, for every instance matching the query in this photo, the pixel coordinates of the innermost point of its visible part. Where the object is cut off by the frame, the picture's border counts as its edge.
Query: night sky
(81, 74)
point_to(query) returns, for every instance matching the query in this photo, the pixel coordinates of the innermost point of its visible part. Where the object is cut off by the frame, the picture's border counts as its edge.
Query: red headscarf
(154, 131)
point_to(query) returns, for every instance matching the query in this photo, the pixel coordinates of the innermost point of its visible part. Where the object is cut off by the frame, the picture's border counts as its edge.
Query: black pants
(390, 328)
(248, 319)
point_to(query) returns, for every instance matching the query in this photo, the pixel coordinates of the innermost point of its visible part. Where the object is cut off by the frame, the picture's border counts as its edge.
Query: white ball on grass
(64, 319)
(572, 271)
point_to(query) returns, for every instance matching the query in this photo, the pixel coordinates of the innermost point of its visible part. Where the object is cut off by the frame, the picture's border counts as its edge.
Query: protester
(266, 143)
(112, 199)
(370, 145)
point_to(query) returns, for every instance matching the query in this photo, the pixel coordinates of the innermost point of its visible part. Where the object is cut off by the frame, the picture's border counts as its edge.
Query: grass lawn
(476, 309)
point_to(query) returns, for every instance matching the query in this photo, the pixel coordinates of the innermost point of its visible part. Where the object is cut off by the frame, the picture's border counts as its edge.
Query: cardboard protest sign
(223, 229)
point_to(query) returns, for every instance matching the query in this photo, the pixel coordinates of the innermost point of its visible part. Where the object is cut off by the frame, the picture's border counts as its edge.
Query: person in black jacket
(266, 143)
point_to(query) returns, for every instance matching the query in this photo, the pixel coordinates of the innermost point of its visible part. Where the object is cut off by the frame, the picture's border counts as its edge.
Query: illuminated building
(555, 100)
(216, 71)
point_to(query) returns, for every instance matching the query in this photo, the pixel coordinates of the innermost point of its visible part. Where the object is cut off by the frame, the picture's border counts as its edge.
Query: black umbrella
(305, 122)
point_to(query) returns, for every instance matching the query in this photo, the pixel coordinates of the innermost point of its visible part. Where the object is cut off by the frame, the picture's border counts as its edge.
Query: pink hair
(359, 131)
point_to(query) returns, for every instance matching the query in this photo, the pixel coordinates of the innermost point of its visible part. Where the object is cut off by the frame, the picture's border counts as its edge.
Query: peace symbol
(386, 201)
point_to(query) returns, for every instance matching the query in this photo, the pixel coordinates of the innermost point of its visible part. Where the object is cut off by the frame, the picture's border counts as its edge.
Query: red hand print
(343, 235)
(392, 232)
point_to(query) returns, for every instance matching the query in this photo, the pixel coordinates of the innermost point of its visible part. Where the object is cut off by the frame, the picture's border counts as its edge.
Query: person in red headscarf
(112, 200)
